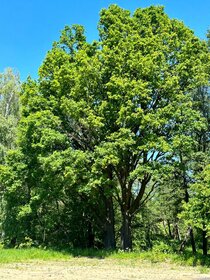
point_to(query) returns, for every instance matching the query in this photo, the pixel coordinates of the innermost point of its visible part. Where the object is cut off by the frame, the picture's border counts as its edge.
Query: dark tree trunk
(126, 238)
(91, 237)
(205, 243)
(169, 229)
(148, 239)
(176, 232)
(109, 232)
(191, 234)
(192, 241)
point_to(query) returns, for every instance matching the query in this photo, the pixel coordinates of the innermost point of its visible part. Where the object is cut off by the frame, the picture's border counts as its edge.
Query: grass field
(44, 264)
(43, 254)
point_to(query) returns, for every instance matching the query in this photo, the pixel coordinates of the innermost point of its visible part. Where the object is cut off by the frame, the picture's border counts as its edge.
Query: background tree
(197, 210)
(188, 162)
(9, 109)
(9, 116)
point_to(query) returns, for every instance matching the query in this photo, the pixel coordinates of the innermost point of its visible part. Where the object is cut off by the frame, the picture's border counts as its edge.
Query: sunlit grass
(186, 258)
(24, 255)
(30, 254)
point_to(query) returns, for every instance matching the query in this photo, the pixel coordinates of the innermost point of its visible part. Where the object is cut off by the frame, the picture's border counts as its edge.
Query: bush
(162, 247)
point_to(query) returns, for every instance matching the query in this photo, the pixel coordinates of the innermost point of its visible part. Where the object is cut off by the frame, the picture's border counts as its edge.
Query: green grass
(25, 255)
(30, 254)
(186, 258)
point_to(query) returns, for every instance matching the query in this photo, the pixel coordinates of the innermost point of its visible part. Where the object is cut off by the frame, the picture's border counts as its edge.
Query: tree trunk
(148, 239)
(109, 232)
(192, 241)
(169, 229)
(176, 232)
(90, 236)
(205, 243)
(126, 238)
(191, 234)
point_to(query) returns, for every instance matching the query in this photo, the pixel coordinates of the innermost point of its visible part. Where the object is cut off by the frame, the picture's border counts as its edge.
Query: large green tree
(151, 66)
(124, 104)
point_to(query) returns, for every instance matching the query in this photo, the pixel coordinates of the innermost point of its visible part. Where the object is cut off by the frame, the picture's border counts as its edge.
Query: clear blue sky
(28, 27)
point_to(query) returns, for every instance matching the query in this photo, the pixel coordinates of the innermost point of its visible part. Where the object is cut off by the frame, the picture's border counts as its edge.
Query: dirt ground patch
(94, 269)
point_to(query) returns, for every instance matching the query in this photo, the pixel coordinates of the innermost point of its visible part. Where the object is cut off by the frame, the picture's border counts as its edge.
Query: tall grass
(30, 254)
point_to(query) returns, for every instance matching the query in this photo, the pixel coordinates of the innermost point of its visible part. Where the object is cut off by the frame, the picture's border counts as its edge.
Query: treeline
(110, 146)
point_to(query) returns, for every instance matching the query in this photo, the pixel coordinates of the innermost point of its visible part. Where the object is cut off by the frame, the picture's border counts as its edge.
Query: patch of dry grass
(92, 268)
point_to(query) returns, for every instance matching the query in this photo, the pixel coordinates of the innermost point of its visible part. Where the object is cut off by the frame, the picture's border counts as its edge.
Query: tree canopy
(104, 128)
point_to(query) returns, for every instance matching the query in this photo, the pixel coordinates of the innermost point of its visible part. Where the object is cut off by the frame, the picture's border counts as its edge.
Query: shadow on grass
(195, 259)
(88, 253)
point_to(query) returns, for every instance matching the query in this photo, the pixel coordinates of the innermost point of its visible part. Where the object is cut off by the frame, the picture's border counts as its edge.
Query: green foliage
(114, 120)
(9, 110)
(197, 211)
